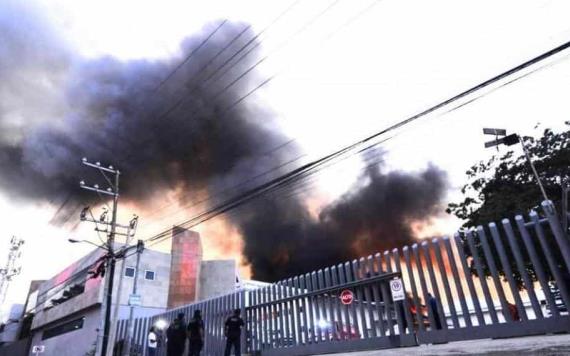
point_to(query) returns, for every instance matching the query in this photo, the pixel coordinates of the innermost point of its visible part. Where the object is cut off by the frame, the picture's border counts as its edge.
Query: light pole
(74, 241)
(510, 140)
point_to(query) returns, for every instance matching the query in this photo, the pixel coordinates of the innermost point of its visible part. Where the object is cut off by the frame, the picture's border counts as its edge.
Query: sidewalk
(551, 345)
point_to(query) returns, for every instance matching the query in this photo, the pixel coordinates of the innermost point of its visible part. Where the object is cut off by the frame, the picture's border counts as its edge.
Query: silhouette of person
(232, 331)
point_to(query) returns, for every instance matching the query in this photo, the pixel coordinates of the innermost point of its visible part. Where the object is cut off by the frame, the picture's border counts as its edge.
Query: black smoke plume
(373, 216)
(111, 111)
(57, 107)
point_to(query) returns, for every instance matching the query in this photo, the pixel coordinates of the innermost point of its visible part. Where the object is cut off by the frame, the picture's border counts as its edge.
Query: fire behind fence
(524, 290)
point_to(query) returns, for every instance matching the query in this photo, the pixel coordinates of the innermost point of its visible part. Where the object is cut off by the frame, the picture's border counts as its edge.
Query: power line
(238, 185)
(241, 99)
(281, 45)
(181, 100)
(263, 59)
(230, 58)
(249, 195)
(323, 40)
(278, 18)
(266, 81)
(194, 51)
(294, 174)
(154, 91)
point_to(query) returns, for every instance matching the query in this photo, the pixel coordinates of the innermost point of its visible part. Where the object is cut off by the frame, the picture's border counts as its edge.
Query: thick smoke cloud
(56, 107)
(369, 218)
(111, 111)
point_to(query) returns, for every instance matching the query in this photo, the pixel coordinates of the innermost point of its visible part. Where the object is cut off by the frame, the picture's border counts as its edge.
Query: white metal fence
(524, 291)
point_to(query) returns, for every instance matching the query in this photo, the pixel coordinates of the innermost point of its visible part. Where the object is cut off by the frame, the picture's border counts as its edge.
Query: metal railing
(500, 280)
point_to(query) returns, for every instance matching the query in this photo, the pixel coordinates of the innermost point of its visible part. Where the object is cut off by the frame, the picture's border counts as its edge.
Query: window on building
(130, 272)
(63, 292)
(149, 275)
(63, 328)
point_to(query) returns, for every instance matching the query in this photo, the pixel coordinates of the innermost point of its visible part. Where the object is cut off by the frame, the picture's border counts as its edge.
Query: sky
(363, 66)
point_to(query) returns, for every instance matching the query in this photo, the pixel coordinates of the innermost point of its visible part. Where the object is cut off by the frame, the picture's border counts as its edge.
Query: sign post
(397, 289)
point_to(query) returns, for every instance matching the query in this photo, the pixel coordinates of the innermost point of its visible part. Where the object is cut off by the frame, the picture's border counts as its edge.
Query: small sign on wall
(38, 349)
(397, 289)
(135, 300)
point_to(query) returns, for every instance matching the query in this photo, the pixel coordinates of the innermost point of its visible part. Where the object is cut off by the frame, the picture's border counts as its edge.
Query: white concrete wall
(217, 277)
(154, 294)
(74, 343)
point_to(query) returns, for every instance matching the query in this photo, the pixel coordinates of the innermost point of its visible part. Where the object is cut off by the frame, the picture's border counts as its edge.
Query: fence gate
(501, 280)
(491, 282)
(342, 308)
(504, 280)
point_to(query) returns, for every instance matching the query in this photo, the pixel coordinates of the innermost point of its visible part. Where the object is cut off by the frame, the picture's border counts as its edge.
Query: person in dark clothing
(433, 305)
(176, 337)
(196, 334)
(232, 331)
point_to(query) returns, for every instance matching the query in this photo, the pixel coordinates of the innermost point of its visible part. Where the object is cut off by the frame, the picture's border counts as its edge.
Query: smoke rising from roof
(56, 107)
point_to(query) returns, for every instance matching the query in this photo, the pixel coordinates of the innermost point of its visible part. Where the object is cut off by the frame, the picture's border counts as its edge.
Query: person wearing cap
(196, 334)
(232, 331)
(176, 337)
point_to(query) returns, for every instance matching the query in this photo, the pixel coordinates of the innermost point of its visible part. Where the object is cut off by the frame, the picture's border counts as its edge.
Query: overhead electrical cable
(294, 174)
(189, 56)
(266, 81)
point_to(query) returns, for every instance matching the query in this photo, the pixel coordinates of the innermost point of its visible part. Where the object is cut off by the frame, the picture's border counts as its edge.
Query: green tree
(505, 186)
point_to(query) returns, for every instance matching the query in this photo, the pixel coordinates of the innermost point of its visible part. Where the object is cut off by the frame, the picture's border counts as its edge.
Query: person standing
(196, 334)
(433, 305)
(232, 331)
(152, 342)
(176, 337)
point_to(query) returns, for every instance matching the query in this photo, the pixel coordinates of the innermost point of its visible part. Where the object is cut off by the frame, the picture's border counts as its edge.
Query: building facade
(65, 311)
(68, 306)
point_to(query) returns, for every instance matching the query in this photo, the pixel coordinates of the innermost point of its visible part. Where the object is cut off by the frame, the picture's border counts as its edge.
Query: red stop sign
(346, 297)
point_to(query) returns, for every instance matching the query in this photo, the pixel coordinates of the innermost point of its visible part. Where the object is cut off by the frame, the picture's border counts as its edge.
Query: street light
(161, 324)
(510, 140)
(74, 241)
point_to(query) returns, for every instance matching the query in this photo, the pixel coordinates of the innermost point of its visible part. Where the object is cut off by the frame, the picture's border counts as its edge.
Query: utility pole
(130, 324)
(113, 191)
(10, 270)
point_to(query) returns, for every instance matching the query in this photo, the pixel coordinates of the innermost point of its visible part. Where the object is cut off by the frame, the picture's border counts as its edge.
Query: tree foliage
(505, 186)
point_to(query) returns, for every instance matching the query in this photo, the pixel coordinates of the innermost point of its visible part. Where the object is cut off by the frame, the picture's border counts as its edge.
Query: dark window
(129, 272)
(63, 328)
(149, 275)
(62, 293)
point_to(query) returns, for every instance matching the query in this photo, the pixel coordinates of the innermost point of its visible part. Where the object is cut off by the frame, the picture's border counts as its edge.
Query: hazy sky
(361, 67)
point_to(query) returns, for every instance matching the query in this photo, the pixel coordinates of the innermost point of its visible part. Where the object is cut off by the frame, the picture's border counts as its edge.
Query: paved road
(551, 345)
